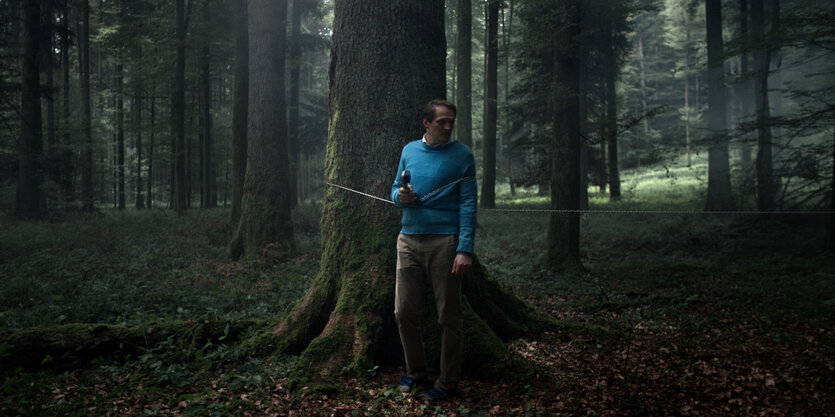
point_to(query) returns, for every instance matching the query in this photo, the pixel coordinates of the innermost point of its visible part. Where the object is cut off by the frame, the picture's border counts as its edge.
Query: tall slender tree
(178, 102)
(764, 166)
(719, 172)
(208, 193)
(464, 64)
(488, 185)
(294, 64)
(30, 148)
(611, 71)
(86, 120)
(563, 251)
(265, 208)
(240, 103)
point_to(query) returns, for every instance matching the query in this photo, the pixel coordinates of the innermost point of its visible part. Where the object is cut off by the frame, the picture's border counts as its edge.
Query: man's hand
(407, 195)
(461, 264)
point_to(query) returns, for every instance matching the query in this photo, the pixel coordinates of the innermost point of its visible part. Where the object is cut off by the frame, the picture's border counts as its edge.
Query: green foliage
(170, 268)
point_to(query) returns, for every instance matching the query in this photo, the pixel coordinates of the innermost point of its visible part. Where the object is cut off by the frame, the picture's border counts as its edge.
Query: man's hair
(429, 109)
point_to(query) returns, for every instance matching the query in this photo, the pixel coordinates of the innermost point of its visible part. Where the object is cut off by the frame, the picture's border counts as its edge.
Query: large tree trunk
(563, 251)
(265, 209)
(240, 103)
(345, 322)
(488, 185)
(719, 172)
(30, 150)
(764, 166)
(87, 149)
(464, 63)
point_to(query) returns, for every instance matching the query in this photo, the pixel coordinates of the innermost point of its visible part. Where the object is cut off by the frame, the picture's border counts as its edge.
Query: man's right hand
(407, 195)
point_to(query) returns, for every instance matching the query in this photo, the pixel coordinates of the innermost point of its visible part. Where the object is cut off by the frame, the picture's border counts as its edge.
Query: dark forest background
(655, 227)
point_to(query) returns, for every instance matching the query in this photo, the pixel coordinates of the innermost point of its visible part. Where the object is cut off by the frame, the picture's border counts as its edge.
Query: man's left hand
(461, 264)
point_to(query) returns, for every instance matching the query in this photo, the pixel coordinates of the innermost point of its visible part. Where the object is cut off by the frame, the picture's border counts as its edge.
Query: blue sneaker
(407, 384)
(433, 394)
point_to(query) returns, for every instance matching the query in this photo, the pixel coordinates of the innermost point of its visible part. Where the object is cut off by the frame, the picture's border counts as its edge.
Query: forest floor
(703, 314)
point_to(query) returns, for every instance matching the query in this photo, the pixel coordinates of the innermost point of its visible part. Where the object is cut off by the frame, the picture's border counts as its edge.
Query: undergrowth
(702, 311)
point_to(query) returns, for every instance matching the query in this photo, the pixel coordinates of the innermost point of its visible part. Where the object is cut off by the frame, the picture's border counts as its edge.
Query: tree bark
(464, 63)
(345, 322)
(67, 158)
(265, 209)
(178, 100)
(30, 150)
(137, 109)
(563, 253)
(293, 105)
(240, 104)
(208, 195)
(719, 172)
(611, 112)
(87, 149)
(488, 185)
(120, 136)
(764, 165)
(150, 182)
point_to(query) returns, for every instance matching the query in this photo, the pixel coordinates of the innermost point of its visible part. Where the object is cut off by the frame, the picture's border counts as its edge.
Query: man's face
(439, 130)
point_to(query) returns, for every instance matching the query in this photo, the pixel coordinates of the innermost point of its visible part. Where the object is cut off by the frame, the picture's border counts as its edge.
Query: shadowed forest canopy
(190, 196)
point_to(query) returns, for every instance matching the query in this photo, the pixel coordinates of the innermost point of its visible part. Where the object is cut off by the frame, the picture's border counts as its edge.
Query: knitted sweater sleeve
(467, 203)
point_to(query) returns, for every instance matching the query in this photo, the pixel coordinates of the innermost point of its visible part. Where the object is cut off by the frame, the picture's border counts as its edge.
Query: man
(435, 245)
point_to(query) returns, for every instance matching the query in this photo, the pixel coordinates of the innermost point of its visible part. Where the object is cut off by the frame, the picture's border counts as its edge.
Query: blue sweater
(443, 178)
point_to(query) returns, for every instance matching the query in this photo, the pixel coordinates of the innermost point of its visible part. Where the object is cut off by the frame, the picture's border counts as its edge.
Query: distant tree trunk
(719, 171)
(464, 57)
(611, 111)
(178, 116)
(832, 201)
(87, 149)
(488, 185)
(765, 175)
(240, 103)
(137, 109)
(208, 195)
(744, 95)
(265, 209)
(582, 111)
(30, 151)
(293, 105)
(149, 194)
(51, 162)
(67, 163)
(643, 77)
(120, 135)
(345, 323)
(507, 30)
(563, 253)
(687, 111)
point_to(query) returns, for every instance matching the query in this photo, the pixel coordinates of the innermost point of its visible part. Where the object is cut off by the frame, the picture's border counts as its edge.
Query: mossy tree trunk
(265, 208)
(387, 61)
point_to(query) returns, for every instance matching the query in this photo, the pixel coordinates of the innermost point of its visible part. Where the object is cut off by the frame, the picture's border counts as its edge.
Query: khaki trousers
(423, 259)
